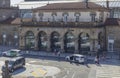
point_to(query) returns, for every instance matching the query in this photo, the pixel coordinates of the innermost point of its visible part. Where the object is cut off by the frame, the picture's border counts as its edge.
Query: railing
(64, 24)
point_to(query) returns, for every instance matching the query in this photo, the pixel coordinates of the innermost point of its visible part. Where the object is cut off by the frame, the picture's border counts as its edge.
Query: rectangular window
(77, 18)
(92, 17)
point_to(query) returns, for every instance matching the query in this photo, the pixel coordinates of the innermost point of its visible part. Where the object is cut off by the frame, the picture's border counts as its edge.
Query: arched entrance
(29, 40)
(69, 42)
(55, 41)
(42, 41)
(101, 40)
(84, 43)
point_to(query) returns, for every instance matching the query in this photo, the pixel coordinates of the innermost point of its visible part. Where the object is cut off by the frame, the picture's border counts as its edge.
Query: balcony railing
(63, 24)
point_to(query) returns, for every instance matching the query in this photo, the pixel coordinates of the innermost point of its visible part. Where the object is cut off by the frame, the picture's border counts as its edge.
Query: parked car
(76, 58)
(11, 53)
(14, 64)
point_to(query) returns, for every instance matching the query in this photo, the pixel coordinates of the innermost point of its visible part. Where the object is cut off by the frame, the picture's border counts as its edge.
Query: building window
(77, 15)
(54, 16)
(40, 17)
(69, 42)
(93, 14)
(29, 40)
(65, 17)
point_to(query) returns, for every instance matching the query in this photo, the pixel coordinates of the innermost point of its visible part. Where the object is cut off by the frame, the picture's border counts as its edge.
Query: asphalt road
(67, 70)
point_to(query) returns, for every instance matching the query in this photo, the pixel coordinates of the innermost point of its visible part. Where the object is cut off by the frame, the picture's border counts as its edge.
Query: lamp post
(4, 39)
(16, 37)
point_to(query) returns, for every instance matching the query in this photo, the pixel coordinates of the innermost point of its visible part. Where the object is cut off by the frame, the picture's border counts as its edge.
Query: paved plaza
(48, 65)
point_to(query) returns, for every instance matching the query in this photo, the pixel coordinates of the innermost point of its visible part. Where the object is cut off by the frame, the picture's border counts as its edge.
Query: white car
(76, 58)
(11, 53)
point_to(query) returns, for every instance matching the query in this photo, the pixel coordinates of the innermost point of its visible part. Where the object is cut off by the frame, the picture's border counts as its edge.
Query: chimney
(107, 4)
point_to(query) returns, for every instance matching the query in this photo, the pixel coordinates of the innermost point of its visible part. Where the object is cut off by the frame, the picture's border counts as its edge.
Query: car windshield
(11, 62)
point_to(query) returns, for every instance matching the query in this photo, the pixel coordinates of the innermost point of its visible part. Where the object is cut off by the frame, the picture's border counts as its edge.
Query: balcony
(63, 24)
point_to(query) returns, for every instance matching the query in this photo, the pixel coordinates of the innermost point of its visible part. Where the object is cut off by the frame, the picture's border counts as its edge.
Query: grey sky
(17, 1)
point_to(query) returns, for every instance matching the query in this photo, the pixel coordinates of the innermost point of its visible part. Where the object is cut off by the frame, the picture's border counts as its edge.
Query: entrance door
(110, 45)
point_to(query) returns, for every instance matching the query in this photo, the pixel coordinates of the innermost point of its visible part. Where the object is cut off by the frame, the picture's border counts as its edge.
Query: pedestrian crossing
(108, 72)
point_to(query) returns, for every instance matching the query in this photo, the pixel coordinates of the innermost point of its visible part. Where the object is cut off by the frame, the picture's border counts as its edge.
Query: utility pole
(5, 71)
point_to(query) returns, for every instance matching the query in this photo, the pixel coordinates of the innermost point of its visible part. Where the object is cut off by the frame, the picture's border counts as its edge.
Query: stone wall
(114, 32)
(9, 34)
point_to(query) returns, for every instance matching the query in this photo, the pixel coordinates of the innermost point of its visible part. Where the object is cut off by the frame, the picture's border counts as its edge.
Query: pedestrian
(55, 51)
(97, 60)
(59, 53)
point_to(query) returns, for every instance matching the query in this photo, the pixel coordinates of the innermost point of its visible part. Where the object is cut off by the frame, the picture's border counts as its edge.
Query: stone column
(22, 42)
(76, 46)
(36, 43)
(48, 43)
(62, 44)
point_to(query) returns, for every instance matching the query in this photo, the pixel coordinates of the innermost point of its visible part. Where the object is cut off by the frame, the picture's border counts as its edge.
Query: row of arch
(69, 41)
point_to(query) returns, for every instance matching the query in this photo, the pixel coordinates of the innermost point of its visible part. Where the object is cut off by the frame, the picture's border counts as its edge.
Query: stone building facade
(75, 27)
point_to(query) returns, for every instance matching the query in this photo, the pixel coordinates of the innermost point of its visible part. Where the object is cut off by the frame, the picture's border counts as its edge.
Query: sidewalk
(110, 68)
(42, 53)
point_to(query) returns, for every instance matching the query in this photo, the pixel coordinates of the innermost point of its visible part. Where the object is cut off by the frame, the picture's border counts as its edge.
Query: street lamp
(4, 39)
(16, 37)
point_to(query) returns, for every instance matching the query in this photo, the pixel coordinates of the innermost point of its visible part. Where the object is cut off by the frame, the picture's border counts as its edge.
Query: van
(76, 58)
(15, 63)
(11, 53)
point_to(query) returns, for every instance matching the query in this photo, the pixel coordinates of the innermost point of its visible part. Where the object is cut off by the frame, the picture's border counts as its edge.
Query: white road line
(73, 75)
(28, 64)
(65, 76)
(53, 77)
(68, 72)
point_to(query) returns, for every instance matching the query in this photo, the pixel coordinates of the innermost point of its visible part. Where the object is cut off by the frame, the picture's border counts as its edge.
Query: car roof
(16, 58)
(77, 55)
(15, 50)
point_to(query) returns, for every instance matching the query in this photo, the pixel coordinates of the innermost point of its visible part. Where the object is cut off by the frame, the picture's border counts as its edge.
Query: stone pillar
(48, 43)
(36, 43)
(62, 44)
(76, 46)
(22, 42)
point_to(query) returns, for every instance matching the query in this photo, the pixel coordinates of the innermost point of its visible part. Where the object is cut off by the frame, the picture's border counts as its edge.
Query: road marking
(28, 64)
(53, 77)
(42, 72)
(65, 76)
(34, 74)
(73, 75)
(68, 72)
(32, 61)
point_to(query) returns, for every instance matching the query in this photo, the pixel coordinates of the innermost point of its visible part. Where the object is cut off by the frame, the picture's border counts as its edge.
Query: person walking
(97, 54)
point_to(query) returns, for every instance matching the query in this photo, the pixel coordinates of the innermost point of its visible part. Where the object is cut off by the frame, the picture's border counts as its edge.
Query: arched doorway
(29, 40)
(55, 41)
(110, 42)
(42, 41)
(101, 40)
(84, 43)
(69, 42)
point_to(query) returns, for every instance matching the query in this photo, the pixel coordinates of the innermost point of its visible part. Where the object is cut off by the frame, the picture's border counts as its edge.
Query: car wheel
(83, 63)
(12, 70)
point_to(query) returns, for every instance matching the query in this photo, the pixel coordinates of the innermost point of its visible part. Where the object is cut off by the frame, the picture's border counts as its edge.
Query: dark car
(15, 63)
